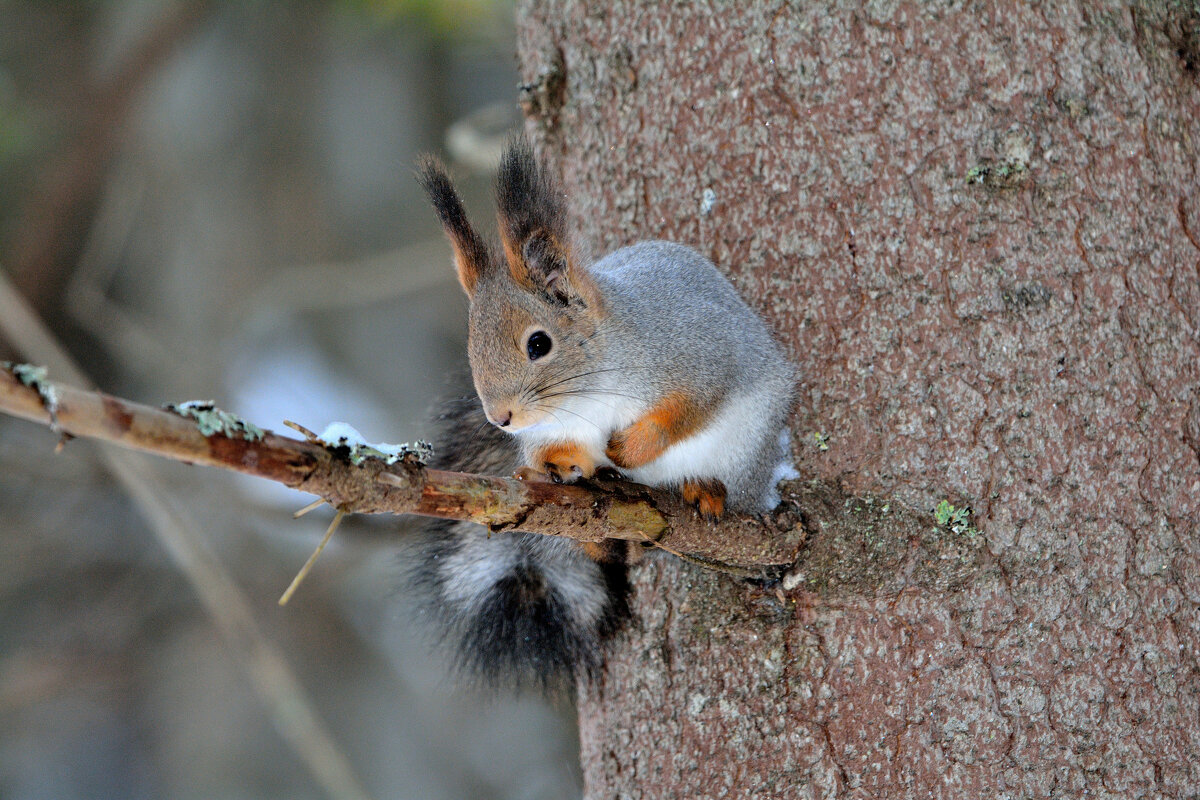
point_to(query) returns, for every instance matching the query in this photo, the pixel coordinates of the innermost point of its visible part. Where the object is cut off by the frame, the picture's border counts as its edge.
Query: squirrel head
(535, 311)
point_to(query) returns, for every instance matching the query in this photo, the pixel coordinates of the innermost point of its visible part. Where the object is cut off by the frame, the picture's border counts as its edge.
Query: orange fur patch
(560, 460)
(606, 552)
(596, 551)
(674, 418)
(516, 261)
(584, 285)
(468, 271)
(579, 279)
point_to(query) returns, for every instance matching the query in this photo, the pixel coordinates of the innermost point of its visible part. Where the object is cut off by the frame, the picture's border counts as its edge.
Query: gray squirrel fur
(563, 352)
(660, 294)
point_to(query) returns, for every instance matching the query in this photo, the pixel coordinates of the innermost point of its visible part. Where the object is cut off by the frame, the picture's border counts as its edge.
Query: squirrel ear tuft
(470, 253)
(533, 228)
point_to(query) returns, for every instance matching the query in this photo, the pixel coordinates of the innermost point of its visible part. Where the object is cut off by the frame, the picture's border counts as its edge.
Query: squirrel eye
(538, 345)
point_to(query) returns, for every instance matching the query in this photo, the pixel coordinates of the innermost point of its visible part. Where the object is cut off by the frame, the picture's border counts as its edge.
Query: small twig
(295, 584)
(313, 506)
(308, 435)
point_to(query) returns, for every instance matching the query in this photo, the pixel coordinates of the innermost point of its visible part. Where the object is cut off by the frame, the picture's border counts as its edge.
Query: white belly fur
(586, 420)
(711, 453)
(723, 449)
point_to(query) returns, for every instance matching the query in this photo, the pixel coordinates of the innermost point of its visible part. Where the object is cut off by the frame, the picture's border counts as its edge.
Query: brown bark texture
(976, 227)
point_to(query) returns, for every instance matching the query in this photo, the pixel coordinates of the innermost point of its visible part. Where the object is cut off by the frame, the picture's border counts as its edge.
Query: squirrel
(646, 361)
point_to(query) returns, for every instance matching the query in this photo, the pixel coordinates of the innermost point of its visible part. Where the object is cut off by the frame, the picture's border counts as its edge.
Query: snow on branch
(603, 509)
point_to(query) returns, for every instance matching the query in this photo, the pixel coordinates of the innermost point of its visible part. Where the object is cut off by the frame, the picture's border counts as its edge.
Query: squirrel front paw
(563, 462)
(708, 496)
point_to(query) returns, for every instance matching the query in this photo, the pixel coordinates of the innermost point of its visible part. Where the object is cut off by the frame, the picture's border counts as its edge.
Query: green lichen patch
(1006, 174)
(1074, 107)
(419, 450)
(1031, 297)
(874, 547)
(212, 420)
(958, 520)
(350, 444)
(638, 516)
(28, 374)
(35, 378)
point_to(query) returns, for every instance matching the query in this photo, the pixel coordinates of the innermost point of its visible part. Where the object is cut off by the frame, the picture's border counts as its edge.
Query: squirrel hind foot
(708, 496)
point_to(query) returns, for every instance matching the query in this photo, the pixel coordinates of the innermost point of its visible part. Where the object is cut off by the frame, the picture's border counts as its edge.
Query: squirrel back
(684, 331)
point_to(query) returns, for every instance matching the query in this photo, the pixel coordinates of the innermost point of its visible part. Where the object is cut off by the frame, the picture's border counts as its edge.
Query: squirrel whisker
(573, 377)
(550, 410)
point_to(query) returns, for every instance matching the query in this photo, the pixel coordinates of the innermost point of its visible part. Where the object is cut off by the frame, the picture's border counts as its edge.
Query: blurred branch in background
(47, 237)
(182, 537)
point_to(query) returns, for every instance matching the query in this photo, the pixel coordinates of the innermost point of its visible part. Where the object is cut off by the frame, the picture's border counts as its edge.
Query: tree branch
(603, 509)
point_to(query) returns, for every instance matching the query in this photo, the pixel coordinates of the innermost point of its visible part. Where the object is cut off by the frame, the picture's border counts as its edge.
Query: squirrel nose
(504, 419)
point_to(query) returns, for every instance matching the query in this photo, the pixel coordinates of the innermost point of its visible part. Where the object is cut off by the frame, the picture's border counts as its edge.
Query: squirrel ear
(532, 224)
(470, 253)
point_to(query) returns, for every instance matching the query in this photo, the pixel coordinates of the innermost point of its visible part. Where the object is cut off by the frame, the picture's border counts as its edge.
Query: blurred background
(214, 200)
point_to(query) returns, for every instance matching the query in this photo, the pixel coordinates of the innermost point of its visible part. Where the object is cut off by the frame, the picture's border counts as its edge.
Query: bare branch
(602, 510)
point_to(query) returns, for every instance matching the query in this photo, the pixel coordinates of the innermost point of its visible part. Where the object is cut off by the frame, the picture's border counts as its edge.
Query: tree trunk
(976, 228)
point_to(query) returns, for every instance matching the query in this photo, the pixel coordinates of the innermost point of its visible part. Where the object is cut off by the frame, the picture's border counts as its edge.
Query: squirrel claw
(564, 474)
(563, 462)
(531, 475)
(549, 473)
(707, 495)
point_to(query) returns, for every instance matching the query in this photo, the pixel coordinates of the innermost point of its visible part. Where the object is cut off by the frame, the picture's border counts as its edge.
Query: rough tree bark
(977, 229)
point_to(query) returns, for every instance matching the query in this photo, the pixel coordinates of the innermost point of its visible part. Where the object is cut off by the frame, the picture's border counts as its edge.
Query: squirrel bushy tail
(514, 608)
